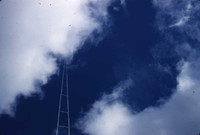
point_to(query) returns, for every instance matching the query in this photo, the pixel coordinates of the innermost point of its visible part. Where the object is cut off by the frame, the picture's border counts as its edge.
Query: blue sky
(133, 66)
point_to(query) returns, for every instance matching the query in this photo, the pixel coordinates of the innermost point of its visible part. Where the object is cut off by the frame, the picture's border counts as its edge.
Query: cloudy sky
(133, 65)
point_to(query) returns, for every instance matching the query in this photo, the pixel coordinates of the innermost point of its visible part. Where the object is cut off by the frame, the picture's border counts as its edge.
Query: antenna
(63, 120)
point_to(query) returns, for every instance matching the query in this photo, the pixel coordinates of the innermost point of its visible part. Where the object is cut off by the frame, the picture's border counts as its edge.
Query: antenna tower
(63, 120)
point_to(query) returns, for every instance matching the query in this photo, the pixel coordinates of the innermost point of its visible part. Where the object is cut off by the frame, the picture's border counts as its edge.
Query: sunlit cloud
(34, 34)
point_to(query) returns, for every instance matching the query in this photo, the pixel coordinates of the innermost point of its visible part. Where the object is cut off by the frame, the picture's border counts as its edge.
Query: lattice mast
(63, 119)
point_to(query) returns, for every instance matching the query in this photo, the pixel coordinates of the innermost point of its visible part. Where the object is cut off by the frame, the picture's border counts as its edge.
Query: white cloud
(175, 13)
(178, 116)
(181, 21)
(31, 31)
(108, 116)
